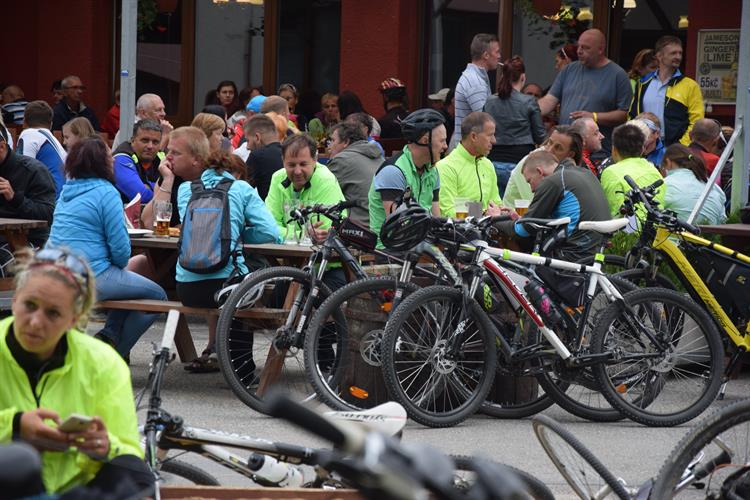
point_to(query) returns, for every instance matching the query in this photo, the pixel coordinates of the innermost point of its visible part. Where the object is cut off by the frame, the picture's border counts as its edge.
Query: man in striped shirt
(473, 88)
(14, 105)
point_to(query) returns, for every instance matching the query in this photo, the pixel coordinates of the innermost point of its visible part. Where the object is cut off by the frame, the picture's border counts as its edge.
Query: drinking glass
(163, 215)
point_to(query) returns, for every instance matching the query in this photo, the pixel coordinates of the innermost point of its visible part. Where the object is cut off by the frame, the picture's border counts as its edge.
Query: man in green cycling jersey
(466, 172)
(414, 168)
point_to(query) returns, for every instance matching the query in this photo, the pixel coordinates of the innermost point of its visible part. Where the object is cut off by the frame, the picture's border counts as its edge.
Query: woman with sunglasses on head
(50, 370)
(89, 219)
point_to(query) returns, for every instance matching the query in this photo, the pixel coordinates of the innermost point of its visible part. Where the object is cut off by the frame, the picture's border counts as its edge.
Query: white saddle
(388, 418)
(603, 226)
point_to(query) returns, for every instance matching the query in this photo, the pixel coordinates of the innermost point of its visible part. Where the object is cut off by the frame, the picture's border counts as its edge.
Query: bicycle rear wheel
(716, 448)
(437, 388)
(667, 357)
(580, 468)
(353, 379)
(255, 328)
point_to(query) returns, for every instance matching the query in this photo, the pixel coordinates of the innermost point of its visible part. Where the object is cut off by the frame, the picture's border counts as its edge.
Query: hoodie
(354, 168)
(89, 220)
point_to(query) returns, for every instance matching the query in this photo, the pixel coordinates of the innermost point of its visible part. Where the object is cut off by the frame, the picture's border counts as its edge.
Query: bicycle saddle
(603, 226)
(537, 224)
(388, 418)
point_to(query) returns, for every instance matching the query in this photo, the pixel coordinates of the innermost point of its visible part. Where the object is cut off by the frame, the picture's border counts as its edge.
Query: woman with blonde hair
(51, 370)
(213, 127)
(75, 130)
(644, 63)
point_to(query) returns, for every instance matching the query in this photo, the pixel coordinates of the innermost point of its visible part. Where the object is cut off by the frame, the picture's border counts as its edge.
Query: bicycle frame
(596, 279)
(682, 266)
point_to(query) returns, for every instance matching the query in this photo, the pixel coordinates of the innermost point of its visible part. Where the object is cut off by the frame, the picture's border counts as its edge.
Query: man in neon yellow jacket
(627, 146)
(466, 172)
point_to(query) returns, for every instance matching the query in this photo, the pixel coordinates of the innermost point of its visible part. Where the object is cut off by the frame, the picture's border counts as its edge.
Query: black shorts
(199, 293)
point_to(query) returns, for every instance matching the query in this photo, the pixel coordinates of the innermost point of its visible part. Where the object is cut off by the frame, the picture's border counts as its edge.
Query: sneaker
(104, 338)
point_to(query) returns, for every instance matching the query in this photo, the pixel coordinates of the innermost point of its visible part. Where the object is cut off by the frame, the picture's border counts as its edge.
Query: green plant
(147, 12)
(564, 25)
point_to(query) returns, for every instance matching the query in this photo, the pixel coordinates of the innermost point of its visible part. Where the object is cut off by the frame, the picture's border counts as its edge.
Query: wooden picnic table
(162, 253)
(15, 232)
(734, 236)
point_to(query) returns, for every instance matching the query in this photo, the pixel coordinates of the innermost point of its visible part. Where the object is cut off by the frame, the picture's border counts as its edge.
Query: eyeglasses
(75, 87)
(69, 264)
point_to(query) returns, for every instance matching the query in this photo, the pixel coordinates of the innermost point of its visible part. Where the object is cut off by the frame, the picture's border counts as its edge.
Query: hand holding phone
(75, 423)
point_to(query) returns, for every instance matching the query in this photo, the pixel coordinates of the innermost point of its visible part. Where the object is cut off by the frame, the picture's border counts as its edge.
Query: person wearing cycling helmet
(50, 370)
(395, 104)
(413, 168)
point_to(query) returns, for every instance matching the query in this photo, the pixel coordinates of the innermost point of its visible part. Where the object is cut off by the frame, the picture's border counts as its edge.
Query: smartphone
(75, 423)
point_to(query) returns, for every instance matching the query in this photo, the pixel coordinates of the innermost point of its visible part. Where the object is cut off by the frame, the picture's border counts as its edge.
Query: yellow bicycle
(716, 277)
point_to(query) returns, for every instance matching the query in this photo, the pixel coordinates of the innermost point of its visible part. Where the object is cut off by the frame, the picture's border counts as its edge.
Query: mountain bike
(716, 277)
(261, 329)
(167, 438)
(441, 348)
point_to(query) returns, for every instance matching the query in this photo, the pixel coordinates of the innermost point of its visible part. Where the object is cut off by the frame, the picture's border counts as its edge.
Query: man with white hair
(151, 107)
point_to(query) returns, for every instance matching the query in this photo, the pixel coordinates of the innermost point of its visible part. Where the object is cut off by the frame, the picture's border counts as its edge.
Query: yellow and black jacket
(683, 106)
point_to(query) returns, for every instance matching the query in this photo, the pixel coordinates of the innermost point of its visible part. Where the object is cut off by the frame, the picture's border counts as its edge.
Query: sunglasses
(69, 264)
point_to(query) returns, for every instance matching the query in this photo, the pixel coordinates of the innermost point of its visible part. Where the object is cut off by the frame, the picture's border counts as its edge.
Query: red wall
(46, 40)
(388, 47)
(706, 15)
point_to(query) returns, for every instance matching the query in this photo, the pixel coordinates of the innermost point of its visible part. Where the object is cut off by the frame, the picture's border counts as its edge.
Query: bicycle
(713, 457)
(724, 292)
(440, 347)
(270, 463)
(268, 313)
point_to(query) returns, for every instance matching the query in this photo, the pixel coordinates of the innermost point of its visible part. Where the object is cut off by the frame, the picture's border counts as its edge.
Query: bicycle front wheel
(580, 468)
(352, 379)
(438, 382)
(255, 336)
(666, 364)
(714, 452)
(176, 473)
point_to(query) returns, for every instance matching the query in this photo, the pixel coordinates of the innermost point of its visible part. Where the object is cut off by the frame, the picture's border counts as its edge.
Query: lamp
(683, 23)
(252, 2)
(585, 14)
(629, 4)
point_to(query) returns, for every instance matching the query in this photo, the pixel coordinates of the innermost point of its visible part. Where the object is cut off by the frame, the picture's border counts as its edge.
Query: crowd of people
(561, 152)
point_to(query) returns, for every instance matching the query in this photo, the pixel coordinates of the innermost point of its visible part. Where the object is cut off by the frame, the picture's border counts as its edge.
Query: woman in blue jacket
(89, 220)
(249, 217)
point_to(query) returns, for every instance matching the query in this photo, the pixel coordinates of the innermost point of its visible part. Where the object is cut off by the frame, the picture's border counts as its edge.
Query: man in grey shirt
(473, 88)
(592, 87)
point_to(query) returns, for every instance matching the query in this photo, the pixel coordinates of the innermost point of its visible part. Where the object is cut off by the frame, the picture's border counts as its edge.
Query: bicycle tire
(470, 378)
(188, 472)
(534, 487)
(643, 391)
(571, 464)
(720, 423)
(243, 344)
(357, 382)
(580, 394)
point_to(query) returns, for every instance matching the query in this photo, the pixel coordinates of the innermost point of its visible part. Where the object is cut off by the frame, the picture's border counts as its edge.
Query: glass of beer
(522, 206)
(162, 214)
(462, 207)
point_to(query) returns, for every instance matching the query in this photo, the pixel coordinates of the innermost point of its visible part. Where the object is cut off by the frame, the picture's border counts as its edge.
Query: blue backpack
(206, 234)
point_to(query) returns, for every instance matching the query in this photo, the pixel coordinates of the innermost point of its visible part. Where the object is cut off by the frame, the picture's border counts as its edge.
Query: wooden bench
(267, 318)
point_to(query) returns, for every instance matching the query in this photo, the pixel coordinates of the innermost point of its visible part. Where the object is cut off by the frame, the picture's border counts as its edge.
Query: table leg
(16, 239)
(276, 357)
(183, 341)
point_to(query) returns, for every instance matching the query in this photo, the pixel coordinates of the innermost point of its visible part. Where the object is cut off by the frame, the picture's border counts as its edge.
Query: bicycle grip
(632, 183)
(347, 204)
(688, 227)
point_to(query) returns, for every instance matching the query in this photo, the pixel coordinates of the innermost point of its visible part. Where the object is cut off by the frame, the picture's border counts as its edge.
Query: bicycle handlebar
(646, 196)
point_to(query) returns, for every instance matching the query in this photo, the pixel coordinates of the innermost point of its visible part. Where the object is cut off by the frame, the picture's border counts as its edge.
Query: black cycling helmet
(420, 122)
(405, 228)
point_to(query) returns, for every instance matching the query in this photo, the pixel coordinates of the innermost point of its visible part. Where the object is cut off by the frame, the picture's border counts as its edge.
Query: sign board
(716, 70)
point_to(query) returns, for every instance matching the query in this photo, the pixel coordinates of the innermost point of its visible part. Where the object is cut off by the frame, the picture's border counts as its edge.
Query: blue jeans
(503, 170)
(126, 327)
